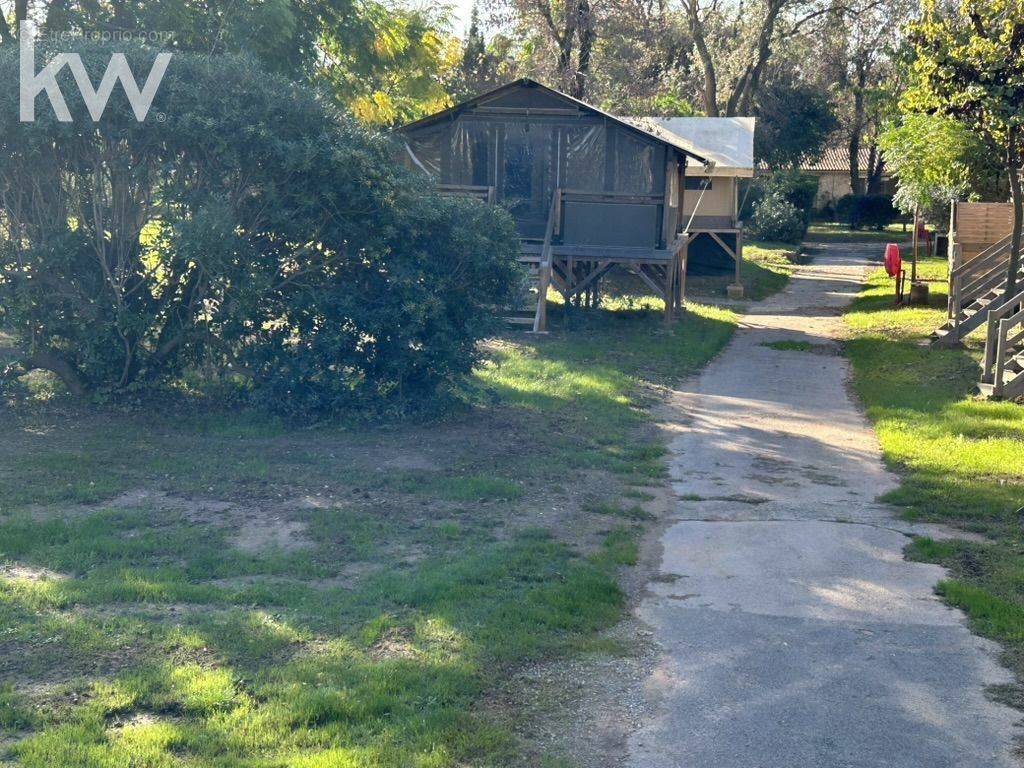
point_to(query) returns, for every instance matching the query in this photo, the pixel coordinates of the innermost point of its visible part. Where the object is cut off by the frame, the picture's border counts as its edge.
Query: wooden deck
(575, 269)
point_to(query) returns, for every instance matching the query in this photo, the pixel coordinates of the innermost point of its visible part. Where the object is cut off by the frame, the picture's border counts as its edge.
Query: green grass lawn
(221, 589)
(961, 457)
(826, 231)
(765, 270)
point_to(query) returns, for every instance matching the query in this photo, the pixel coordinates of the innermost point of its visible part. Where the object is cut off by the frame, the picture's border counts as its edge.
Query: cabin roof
(836, 159)
(728, 142)
(649, 130)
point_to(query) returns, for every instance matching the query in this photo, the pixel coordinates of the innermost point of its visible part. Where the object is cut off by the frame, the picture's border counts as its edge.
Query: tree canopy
(259, 236)
(967, 66)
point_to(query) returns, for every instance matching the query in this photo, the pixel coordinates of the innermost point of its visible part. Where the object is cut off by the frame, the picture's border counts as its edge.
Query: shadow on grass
(387, 672)
(172, 645)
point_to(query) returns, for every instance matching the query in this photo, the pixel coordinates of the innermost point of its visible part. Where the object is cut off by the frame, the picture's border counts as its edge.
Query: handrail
(992, 340)
(990, 254)
(974, 278)
(980, 266)
(1001, 347)
(540, 317)
(981, 284)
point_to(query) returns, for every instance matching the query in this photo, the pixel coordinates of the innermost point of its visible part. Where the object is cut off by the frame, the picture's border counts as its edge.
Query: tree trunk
(856, 183)
(710, 94)
(876, 166)
(49, 360)
(746, 89)
(585, 30)
(1018, 223)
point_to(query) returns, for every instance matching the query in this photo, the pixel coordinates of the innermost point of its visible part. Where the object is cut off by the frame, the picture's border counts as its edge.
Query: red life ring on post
(893, 262)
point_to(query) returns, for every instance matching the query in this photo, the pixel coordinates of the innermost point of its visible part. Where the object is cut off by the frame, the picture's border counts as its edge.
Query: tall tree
(795, 119)
(968, 66)
(483, 65)
(739, 42)
(868, 33)
(565, 28)
(643, 60)
(382, 62)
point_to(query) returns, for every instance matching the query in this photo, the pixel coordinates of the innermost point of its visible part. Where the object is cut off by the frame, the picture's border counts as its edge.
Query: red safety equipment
(924, 236)
(893, 262)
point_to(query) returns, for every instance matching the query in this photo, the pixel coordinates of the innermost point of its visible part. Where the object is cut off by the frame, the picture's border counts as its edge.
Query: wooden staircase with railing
(535, 314)
(1003, 366)
(573, 260)
(976, 286)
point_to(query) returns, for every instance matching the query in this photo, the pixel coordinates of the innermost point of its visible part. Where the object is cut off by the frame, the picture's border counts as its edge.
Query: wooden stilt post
(739, 255)
(670, 277)
(683, 269)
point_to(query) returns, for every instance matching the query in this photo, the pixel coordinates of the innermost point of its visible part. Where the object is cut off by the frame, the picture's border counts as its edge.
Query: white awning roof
(727, 141)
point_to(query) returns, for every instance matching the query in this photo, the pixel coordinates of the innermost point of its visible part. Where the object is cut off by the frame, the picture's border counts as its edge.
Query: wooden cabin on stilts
(590, 191)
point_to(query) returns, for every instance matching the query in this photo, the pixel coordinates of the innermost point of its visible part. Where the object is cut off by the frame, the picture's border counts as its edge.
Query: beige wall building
(833, 171)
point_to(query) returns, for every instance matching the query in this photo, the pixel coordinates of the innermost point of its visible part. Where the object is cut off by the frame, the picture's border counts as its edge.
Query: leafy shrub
(795, 187)
(860, 211)
(798, 188)
(776, 218)
(252, 232)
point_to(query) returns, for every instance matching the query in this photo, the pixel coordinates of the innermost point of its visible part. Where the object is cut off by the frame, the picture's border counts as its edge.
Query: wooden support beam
(599, 271)
(670, 292)
(726, 248)
(651, 281)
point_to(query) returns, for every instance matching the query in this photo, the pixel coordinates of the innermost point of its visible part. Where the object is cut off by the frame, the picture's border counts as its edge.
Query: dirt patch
(255, 528)
(413, 461)
(395, 643)
(583, 711)
(28, 573)
(196, 509)
(261, 534)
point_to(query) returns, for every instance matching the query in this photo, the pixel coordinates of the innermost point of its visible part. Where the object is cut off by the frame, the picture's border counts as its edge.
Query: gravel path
(793, 632)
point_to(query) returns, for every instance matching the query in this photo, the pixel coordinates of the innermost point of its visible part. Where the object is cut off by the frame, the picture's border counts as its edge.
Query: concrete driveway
(793, 634)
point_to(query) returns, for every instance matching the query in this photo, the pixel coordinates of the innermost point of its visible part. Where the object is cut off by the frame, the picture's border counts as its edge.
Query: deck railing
(1003, 366)
(487, 194)
(971, 280)
(540, 318)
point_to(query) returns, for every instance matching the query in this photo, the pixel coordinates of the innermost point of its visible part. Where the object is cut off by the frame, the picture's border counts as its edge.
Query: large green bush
(796, 189)
(862, 211)
(776, 218)
(242, 228)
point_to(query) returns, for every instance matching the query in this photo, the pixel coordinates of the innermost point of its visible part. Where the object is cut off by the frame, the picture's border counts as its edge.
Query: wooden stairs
(975, 287)
(1003, 367)
(535, 314)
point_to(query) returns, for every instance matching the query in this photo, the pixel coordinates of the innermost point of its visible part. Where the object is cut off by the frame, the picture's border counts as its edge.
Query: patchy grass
(765, 270)
(959, 455)
(224, 589)
(614, 509)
